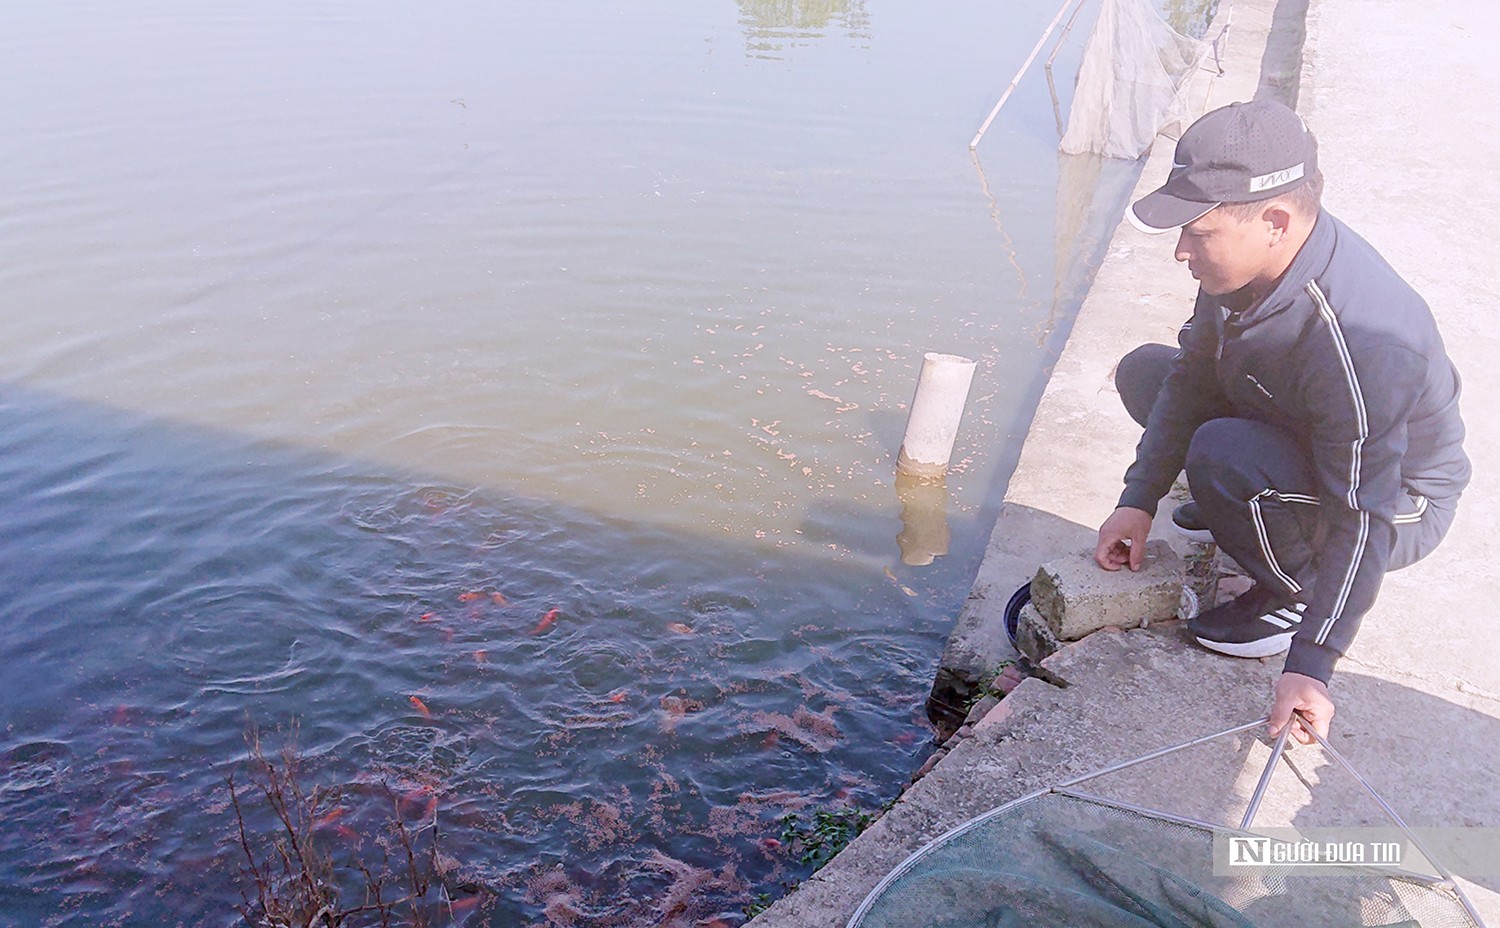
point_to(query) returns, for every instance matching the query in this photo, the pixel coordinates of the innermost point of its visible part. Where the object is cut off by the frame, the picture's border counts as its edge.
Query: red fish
(329, 819)
(121, 716)
(680, 628)
(413, 796)
(464, 904)
(470, 596)
(421, 707)
(618, 697)
(347, 833)
(427, 617)
(547, 621)
(408, 803)
(499, 600)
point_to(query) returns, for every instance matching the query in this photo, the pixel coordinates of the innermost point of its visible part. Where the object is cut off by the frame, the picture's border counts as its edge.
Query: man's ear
(1278, 220)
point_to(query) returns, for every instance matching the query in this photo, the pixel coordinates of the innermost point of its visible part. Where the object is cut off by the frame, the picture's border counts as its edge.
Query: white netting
(1132, 83)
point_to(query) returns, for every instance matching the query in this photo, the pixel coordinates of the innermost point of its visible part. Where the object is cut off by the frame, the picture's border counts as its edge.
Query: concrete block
(1033, 636)
(1075, 597)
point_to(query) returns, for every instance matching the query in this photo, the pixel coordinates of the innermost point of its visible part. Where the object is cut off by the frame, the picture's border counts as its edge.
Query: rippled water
(545, 363)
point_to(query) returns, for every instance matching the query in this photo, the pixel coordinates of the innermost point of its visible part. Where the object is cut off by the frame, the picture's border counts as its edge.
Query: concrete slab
(1034, 637)
(1131, 692)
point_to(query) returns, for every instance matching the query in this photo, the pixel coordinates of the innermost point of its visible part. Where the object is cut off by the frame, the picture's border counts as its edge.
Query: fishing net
(1132, 83)
(1067, 857)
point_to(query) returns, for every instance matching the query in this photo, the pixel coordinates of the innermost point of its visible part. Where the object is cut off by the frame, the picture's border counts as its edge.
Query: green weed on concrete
(830, 831)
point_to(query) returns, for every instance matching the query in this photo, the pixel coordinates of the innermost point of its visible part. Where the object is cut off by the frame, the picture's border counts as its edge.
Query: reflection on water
(772, 26)
(1088, 188)
(924, 519)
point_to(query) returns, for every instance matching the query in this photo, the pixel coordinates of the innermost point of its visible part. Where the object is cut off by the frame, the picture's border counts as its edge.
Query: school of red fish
(544, 624)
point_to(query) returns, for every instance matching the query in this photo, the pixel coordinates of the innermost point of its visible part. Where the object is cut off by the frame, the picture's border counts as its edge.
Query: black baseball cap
(1238, 153)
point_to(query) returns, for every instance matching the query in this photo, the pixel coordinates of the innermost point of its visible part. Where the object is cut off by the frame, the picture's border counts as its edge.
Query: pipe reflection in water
(924, 518)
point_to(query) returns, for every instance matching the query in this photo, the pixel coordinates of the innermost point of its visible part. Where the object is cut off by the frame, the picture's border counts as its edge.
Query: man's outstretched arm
(1189, 397)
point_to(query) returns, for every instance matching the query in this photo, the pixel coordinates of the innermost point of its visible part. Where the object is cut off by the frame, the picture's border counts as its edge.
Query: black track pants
(1256, 489)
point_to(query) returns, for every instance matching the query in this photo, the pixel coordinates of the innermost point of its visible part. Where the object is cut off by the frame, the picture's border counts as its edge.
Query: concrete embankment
(1409, 122)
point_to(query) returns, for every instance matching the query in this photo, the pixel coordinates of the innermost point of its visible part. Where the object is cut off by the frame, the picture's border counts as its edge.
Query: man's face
(1223, 253)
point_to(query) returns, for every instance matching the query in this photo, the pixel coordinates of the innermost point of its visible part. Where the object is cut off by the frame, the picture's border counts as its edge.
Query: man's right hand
(1122, 539)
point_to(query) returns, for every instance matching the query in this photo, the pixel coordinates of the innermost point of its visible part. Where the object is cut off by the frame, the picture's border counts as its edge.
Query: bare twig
(297, 884)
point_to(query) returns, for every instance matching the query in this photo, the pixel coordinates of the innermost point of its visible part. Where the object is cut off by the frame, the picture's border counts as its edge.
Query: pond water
(505, 397)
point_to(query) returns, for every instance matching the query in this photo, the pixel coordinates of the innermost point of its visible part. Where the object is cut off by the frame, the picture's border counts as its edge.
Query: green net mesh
(1057, 859)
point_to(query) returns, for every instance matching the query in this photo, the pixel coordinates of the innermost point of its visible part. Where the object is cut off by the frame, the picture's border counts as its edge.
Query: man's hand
(1122, 539)
(1308, 695)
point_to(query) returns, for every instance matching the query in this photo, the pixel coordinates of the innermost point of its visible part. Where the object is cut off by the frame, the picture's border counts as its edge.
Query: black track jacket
(1344, 355)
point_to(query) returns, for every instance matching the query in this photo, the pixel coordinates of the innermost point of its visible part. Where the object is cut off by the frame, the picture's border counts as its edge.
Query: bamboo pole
(1017, 79)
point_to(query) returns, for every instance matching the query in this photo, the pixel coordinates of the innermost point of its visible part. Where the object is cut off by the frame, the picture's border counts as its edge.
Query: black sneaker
(1189, 523)
(1257, 623)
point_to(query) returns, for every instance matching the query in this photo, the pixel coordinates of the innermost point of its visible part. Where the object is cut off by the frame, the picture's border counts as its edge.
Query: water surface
(344, 343)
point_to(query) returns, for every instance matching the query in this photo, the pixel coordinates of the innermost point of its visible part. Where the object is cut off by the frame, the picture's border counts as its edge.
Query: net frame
(1444, 882)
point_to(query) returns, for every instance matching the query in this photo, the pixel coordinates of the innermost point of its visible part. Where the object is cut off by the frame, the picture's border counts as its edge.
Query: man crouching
(1311, 403)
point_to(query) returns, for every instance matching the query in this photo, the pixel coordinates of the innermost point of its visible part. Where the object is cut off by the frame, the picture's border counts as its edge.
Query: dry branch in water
(296, 882)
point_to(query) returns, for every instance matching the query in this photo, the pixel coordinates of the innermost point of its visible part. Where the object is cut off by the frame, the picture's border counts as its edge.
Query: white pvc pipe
(937, 407)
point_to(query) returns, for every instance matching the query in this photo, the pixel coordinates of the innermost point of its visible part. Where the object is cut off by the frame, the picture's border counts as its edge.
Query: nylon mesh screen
(1132, 83)
(1060, 860)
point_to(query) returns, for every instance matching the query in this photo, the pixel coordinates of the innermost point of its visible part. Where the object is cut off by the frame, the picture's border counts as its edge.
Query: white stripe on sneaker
(1270, 618)
(1262, 647)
